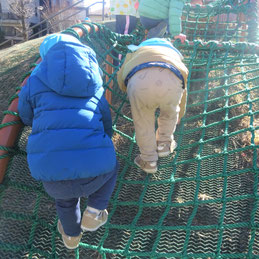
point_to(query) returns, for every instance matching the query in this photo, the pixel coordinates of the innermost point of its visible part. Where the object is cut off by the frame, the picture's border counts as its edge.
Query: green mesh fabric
(203, 201)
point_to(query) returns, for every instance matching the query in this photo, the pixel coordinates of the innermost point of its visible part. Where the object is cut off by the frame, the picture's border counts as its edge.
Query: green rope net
(203, 201)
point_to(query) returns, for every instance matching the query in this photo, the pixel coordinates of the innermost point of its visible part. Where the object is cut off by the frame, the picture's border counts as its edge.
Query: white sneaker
(148, 167)
(92, 221)
(165, 148)
(69, 242)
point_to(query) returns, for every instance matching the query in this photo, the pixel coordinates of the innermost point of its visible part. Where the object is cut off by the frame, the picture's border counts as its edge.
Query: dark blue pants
(125, 24)
(156, 27)
(67, 196)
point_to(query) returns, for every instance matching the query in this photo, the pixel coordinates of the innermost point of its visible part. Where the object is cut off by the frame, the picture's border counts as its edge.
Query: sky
(97, 6)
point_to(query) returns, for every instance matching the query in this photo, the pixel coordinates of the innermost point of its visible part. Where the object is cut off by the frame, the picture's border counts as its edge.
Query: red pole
(109, 70)
(8, 134)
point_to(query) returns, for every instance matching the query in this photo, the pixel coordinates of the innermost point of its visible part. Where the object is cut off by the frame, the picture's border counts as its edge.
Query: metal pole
(103, 11)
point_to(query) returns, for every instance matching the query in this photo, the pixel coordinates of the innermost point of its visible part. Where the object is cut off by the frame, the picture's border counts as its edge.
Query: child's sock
(93, 210)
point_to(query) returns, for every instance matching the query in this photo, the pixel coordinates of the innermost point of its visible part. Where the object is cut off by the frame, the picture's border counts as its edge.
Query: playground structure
(203, 202)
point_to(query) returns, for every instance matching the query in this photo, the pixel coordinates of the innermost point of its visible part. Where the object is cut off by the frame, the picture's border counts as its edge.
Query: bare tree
(61, 21)
(23, 9)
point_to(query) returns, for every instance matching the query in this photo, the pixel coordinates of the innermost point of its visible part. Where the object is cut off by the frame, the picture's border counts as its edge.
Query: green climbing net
(203, 202)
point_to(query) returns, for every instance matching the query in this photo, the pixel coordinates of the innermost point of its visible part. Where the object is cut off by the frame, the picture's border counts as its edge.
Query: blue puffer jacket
(63, 100)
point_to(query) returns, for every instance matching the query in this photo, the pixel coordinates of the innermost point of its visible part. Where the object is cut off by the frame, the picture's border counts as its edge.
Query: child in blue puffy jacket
(70, 148)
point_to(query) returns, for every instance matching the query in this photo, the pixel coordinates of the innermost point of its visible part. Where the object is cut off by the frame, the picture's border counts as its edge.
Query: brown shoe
(149, 167)
(69, 242)
(92, 221)
(164, 148)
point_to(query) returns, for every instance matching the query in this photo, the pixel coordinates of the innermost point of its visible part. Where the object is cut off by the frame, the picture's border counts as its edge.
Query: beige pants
(149, 89)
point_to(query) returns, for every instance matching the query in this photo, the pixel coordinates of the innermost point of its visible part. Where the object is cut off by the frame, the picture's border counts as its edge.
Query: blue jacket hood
(53, 39)
(68, 67)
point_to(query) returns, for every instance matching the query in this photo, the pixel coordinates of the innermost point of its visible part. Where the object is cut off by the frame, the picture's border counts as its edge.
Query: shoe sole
(69, 247)
(149, 171)
(163, 154)
(166, 153)
(92, 229)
